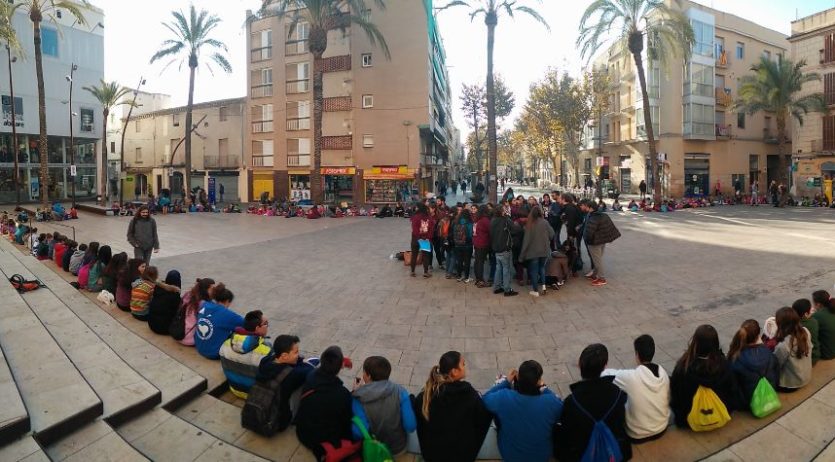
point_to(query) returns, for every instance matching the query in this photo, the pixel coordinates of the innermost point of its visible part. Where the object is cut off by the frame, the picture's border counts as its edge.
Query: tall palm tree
(191, 35)
(774, 87)
(38, 10)
(108, 94)
(491, 9)
(322, 16)
(667, 32)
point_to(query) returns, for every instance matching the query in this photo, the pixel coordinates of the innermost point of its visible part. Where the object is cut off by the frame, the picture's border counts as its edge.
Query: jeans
(492, 257)
(503, 271)
(449, 261)
(596, 255)
(143, 254)
(462, 260)
(427, 256)
(480, 256)
(536, 272)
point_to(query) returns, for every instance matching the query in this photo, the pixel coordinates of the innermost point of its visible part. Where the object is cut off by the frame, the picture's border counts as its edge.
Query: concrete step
(23, 449)
(94, 442)
(14, 420)
(122, 390)
(162, 437)
(56, 395)
(177, 383)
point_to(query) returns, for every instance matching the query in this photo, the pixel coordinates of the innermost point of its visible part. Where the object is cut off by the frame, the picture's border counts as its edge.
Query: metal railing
(298, 160)
(261, 54)
(262, 91)
(262, 126)
(298, 86)
(296, 47)
(723, 130)
(228, 161)
(262, 161)
(301, 123)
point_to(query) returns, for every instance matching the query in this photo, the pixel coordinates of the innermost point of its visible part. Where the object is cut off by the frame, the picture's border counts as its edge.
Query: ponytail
(747, 334)
(438, 376)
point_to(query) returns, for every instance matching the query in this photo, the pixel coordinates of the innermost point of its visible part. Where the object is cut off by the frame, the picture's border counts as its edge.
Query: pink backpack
(84, 275)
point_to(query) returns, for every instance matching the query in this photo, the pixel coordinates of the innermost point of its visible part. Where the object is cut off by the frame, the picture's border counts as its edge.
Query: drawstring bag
(708, 411)
(764, 401)
(22, 285)
(373, 450)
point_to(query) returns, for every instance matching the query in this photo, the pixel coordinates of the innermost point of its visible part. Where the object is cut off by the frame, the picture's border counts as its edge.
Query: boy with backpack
(592, 425)
(383, 407)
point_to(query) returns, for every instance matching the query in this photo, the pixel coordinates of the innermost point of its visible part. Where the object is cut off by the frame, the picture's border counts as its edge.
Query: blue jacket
(215, 323)
(240, 358)
(751, 364)
(385, 428)
(525, 422)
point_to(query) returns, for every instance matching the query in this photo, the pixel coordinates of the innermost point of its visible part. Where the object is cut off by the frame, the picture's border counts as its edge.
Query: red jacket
(58, 253)
(481, 233)
(422, 226)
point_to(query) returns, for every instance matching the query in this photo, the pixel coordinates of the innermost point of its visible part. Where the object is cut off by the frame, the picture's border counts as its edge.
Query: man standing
(643, 189)
(142, 235)
(221, 190)
(598, 232)
(755, 189)
(502, 230)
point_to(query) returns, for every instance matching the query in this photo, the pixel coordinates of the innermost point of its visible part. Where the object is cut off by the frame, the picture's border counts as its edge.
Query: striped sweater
(140, 297)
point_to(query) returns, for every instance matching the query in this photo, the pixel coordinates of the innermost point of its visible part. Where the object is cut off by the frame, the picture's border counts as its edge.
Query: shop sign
(390, 170)
(338, 170)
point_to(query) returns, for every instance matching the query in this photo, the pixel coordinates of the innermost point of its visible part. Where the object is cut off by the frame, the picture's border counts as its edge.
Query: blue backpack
(602, 447)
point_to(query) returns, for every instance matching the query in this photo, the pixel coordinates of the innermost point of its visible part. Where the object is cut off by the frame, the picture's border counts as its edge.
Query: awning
(387, 176)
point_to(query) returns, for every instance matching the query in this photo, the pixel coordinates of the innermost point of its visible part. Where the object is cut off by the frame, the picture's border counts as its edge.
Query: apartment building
(701, 141)
(64, 43)
(813, 40)
(155, 150)
(387, 124)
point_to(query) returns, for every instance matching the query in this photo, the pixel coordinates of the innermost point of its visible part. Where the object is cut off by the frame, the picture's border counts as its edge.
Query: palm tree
(668, 34)
(322, 16)
(775, 88)
(37, 10)
(491, 9)
(191, 35)
(108, 94)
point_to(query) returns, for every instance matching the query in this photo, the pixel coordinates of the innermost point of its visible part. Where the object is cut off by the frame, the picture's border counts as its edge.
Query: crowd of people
(516, 238)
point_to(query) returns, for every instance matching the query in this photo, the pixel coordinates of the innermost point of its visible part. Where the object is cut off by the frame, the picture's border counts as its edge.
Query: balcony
(262, 126)
(298, 86)
(723, 97)
(302, 123)
(298, 160)
(262, 161)
(723, 131)
(262, 91)
(296, 47)
(221, 161)
(337, 143)
(722, 58)
(261, 54)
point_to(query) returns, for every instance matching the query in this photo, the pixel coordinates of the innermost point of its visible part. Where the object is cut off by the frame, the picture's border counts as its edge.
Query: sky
(524, 50)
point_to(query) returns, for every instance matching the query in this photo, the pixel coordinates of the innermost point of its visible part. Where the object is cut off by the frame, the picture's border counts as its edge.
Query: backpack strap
(364, 431)
(606, 415)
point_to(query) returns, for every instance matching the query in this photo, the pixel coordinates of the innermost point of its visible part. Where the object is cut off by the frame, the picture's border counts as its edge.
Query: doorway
(696, 177)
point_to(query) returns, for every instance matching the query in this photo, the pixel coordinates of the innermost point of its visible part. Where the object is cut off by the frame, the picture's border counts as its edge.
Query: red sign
(338, 170)
(389, 169)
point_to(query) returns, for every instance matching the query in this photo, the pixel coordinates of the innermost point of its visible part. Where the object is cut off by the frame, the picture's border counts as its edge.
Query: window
(298, 115)
(703, 34)
(828, 88)
(262, 118)
(740, 50)
(175, 119)
(112, 147)
(366, 60)
(367, 101)
(640, 125)
(701, 80)
(266, 76)
(223, 147)
(699, 119)
(368, 141)
(740, 120)
(222, 113)
(7, 111)
(719, 48)
(49, 41)
(767, 55)
(587, 165)
(137, 126)
(139, 154)
(87, 120)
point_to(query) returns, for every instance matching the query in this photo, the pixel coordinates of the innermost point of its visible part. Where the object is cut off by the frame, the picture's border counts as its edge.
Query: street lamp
(73, 172)
(13, 59)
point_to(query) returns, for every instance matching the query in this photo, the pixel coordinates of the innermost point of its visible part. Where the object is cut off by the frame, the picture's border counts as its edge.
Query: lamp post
(122, 147)
(73, 68)
(14, 128)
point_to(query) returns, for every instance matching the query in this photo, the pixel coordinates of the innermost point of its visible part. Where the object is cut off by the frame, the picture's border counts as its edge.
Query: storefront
(388, 184)
(338, 184)
(299, 186)
(696, 175)
(262, 182)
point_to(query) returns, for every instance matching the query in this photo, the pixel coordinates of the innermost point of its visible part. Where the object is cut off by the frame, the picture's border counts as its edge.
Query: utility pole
(73, 68)
(15, 147)
(122, 148)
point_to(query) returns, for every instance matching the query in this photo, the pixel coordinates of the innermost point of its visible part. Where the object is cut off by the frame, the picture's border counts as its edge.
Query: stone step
(14, 420)
(122, 390)
(24, 449)
(162, 436)
(177, 383)
(56, 395)
(94, 442)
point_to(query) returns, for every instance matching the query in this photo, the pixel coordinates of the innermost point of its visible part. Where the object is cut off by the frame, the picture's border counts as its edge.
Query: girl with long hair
(452, 420)
(94, 283)
(124, 282)
(751, 360)
(112, 270)
(536, 247)
(825, 315)
(793, 350)
(192, 300)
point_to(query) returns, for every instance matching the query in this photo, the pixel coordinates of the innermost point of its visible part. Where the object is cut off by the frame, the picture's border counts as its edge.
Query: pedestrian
(536, 247)
(221, 190)
(463, 240)
(643, 189)
(717, 189)
(481, 243)
(142, 235)
(598, 231)
(423, 226)
(502, 231)
(755, 189)
(572, 219)
(772, 191)
(463, 186)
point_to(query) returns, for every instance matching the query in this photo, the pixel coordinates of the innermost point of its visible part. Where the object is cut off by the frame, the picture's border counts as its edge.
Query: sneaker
(498, 291)
(449, 276)
(555, 286)
(590, 275)
(533, 293)
(561, 283)
(468, 280)
(460, 279)
(598, 282)
(511, 293)
(427, 275)
(412, 274)
(480, 284)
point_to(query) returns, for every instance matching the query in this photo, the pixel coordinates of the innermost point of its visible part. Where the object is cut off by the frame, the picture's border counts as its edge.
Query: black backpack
(262, 410)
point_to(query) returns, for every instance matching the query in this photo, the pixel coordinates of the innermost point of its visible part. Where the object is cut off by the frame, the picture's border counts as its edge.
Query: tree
(775, 88)
(668, 34)
(322, 16)
(108, 94)
(474, 105)
(540, 130)
(37, 10)
(491, 9)
(191, 36)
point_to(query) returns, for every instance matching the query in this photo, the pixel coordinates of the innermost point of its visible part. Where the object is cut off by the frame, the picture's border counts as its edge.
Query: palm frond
(222, 62)
(372, 32)
(534, 14)
(172, 50)
(452, 4)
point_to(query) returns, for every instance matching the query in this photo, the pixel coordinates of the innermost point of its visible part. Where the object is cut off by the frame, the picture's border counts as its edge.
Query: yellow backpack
(708, 411)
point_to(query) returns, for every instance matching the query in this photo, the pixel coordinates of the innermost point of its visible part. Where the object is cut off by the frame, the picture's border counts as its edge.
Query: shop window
(87, 119)
(387, 191)
(300, 188)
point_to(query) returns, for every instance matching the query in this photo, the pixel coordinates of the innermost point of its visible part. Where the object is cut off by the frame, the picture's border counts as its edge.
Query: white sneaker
(468, 280)
(543, 289)
(534, 293)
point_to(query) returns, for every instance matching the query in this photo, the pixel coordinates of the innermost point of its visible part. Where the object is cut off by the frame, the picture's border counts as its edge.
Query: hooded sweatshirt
(215, 323)
(75, 261)
(752, 364)
(457, 424)
(481, 233)
(142, 233)
(324, 411)
(386, 411)
(685, 382)
(164, 305)
(648, 402)
(240, 358)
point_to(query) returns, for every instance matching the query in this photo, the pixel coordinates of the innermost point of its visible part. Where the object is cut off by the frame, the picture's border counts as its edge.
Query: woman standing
(536, 247)
(481, 243)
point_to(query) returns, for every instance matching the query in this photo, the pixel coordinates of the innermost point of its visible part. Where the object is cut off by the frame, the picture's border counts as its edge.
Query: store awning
(387, 176)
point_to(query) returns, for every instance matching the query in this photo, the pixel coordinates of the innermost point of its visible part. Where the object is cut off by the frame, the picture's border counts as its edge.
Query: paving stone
(97, 442)
(25, 448)
(14, 420)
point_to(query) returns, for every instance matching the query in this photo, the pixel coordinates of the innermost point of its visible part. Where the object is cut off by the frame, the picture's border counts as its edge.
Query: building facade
(155, 150)
(387, 123)
(64, 43)
(813, 41)
(700, 140)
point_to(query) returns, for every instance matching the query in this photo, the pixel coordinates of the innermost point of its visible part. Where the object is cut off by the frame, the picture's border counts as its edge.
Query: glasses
(265, 323)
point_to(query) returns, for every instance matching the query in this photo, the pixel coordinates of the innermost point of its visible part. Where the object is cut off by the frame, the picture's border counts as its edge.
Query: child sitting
(71, 247)
(77, 258)
(803, 308)
(217, 322)
(398, 210)
(42, 249)
(142, 291)
(285, 354)
(793, 351)
(243, 352)
(374, 211)
(616, 207)
(751, 360)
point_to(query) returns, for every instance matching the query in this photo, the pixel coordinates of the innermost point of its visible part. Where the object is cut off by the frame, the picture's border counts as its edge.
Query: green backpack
(372, 450)
(764, 401)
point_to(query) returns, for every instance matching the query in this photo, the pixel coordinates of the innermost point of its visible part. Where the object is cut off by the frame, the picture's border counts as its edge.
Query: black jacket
(161, 310)
(324, 412)
(572, 218)
(457, 425)
(684, 383)
(502, 231)
(600, 229)
(572, 433)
